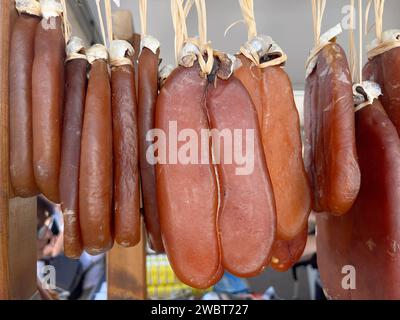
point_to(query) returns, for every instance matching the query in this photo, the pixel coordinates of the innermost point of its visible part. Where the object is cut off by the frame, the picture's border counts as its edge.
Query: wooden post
(22, 247)
(5, 21)
(126, 267)
(17, 216)
(126, 272)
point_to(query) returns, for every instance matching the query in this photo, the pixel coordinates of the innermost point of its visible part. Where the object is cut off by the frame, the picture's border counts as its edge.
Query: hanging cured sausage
(286, 253)
(187, 193)
(236, 221)
(96, 168)
(364, 243)
(75, 93)
(247, 218)
(147, 99)
(272, 94)
(231, 232)
(330, 150)
(387, 74)
(125, 145)
(21, 63)
(47, 99)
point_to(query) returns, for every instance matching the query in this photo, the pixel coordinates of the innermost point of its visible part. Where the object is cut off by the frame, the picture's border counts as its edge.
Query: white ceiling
(289, 22)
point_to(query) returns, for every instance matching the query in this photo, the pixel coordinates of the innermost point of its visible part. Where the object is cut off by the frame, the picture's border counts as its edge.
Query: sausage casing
(247, 216)
(286, 253)
(330, 149)
(96, 169)
(74, 106)
(364, 243)
(47, 97)
(385, 71)
(188, 194)
(272, 94)
(126, 156)
(21, 144)
(147, 100)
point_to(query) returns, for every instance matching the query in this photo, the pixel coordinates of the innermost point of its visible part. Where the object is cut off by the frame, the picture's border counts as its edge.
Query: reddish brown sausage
(286, 253)
(96, 170)
(187, 194)
(147, 94)
(126, 156)
(47, 89)
(21, 144)
(272, 94)
(75, 93)
(330, 150)
(367, 237)
(386, 72)
(247, 216)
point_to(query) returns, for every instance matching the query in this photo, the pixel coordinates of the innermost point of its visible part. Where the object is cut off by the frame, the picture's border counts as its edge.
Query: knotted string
(382, 44)
(201, 42)
(318, 9)
(179, 13)
(251, 50)
(247, 7)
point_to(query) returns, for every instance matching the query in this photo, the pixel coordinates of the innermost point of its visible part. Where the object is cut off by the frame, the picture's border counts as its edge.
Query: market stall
(178, 173)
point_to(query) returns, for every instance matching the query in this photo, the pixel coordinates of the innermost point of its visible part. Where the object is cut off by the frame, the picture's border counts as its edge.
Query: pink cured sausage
(247, 216)
(188, 194)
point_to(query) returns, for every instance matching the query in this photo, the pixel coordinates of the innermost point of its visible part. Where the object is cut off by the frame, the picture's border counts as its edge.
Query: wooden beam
(123, 25)
(22, 248)
(126, 267)
(17, 216)
(126, 272)
(5, 22)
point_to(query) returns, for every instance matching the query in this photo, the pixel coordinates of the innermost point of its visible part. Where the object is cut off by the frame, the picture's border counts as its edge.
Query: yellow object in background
(162, 282)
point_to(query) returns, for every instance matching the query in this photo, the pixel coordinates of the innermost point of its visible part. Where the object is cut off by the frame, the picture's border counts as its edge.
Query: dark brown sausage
(386, 72)
(96, 169)
(147, 99)
(75, 93)
(187, 194)
(47, 89)
(330, 148)
(126, 156)
(21, 144)
(367, 238)
(247, 216)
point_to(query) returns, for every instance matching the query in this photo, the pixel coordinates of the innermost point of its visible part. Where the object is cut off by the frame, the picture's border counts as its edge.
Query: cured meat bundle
(272, 94)
(125, 145)
(96, 165)
(188, 194)
(74, 106)
(199, 202)
(47, 99)
(215, 214)
(386, 72)
(358, 253)
(330, 149)
(21, 63)
(147, 99)
(269, 86)
(247, 217)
